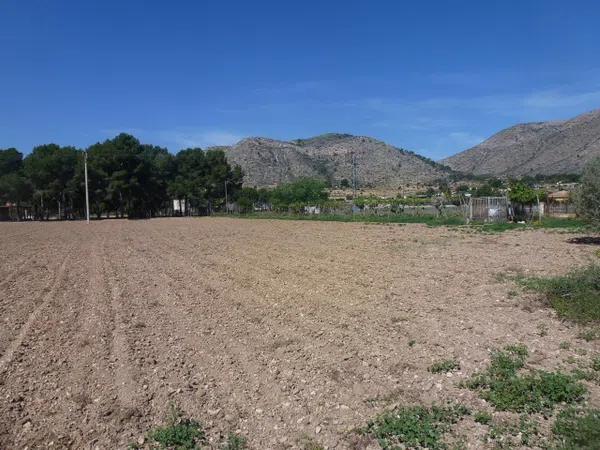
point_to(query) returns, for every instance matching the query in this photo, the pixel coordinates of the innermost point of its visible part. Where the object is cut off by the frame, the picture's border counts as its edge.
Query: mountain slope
(268, 162)
(544, 148)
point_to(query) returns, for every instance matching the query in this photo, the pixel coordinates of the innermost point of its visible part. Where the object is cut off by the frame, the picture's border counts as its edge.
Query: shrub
(588, 196)
(302, 192)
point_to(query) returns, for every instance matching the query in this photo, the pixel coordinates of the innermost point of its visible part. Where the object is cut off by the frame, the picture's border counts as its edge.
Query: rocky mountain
(544, 148)
(268, 162)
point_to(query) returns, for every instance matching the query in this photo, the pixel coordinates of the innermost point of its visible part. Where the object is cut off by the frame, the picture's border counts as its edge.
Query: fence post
(470, 209)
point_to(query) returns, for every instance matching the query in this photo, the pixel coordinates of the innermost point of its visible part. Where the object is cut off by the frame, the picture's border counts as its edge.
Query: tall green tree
(11, 161)
(301, 192)
(588, 195)
(50, 169)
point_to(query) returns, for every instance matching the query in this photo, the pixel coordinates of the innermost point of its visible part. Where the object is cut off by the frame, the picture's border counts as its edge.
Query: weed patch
(538, 391)
(590, 334)
(575, 296)
(179, 432)
(415, 426)
(235, 442)
(182, 433)
(447, 365)
(510, 435)
(576, 429)
(482, 417)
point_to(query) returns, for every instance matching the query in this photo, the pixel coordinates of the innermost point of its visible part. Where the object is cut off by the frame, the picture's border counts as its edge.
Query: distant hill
(544, 148)
(268, 162)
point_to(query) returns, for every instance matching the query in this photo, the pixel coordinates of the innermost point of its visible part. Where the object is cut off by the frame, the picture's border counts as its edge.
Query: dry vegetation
(283, 334)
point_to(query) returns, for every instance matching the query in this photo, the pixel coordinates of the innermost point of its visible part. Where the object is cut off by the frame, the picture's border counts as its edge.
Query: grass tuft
(575, 296)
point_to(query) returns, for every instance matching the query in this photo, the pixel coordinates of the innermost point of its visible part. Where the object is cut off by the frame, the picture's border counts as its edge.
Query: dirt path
(272, 329)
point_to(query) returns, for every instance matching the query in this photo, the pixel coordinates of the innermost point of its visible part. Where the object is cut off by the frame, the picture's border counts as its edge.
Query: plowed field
(276, 330)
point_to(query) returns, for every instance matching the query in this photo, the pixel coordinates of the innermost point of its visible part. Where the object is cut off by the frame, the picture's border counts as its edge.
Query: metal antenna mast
(87, 195)
(354, 183)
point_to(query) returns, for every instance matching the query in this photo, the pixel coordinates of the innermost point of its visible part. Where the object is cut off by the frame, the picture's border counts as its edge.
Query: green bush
(302, 192)
(587, 197)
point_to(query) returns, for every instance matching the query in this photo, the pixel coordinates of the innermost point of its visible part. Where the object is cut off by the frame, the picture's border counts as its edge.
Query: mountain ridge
(269, 162)
(534, 148)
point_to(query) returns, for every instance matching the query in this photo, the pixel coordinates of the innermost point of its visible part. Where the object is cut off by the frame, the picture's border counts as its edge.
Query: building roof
(559, 194)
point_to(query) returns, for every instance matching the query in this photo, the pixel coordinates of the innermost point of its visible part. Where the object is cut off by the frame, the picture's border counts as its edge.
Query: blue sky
(432, 76)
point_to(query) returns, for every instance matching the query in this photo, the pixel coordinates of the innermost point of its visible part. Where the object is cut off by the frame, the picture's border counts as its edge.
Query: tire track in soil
(13, 274)
(171, 277)
(327, 327)
(120, 353)
(59, 276)
(237, 364)
(256, 269)
(258, 343)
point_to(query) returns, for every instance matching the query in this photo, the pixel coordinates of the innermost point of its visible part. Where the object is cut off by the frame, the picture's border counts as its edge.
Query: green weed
(415, 426)
(447, 365)
(509, 435)
(576, 429)
(483, 417)
(590, 334)
(538, 391)
(235, 442)
(179, 433)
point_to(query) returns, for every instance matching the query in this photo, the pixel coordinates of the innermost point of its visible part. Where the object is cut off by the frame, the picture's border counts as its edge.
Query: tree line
(125, 179)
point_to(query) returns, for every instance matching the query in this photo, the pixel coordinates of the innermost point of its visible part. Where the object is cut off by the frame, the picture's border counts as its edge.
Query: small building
(559, 197)
(559, 204)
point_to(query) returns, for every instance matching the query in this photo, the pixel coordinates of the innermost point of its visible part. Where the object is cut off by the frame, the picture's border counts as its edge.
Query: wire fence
(487, 209)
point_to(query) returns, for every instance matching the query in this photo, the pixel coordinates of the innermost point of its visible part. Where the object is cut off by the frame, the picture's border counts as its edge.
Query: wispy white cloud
(464, 139)
(191, 137)
(553, 99)
(179, 137)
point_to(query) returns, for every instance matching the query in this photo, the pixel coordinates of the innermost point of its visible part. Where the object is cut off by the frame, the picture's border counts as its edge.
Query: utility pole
(353, 175)
(226, 209)
(87, 195)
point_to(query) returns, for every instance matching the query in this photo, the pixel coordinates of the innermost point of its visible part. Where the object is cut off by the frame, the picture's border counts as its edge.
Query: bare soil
(278, 330)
